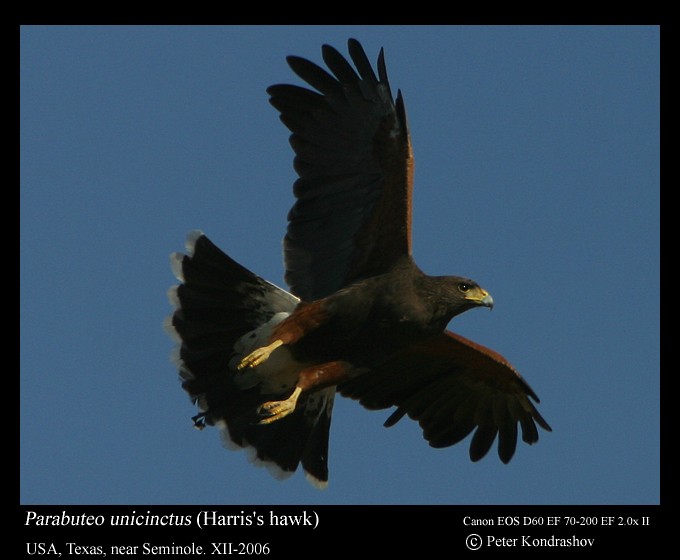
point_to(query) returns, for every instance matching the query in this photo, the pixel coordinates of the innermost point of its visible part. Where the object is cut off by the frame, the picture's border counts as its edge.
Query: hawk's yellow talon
(272, 411)
(256, 357)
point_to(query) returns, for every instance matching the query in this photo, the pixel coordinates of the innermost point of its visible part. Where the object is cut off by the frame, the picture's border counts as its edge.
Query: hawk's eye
(464, 287)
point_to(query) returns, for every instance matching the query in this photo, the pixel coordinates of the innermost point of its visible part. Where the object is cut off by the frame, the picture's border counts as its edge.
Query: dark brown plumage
(362, 319)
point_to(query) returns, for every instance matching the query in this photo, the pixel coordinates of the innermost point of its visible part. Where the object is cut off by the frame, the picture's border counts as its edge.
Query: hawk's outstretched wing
(352, 217)
(451, 386)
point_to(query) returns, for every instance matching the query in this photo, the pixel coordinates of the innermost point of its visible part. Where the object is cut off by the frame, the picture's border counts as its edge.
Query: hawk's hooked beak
(481, 298)
(487, 301)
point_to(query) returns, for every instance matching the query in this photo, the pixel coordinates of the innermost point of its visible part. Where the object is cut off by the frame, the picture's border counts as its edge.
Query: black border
(328, 530)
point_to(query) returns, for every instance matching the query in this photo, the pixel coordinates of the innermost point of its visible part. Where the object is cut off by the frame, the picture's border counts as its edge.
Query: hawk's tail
(222, 310)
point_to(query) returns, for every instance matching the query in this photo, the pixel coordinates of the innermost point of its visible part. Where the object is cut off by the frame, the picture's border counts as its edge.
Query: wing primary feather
(482, 441)
(452, 435)
(395, 417)
(458, 427)
(507, 441)
(401, 113)
(289, 96)
(541, 421)
(314, 75)
(382, 71)
(339, 66)
(529, 431)
(356, 51)
(486, 431)
(507, 429)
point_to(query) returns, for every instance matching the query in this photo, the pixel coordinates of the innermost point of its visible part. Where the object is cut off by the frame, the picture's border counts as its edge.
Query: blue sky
(537, 175)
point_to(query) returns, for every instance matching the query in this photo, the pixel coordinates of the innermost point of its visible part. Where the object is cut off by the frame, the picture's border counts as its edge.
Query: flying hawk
(264, 364)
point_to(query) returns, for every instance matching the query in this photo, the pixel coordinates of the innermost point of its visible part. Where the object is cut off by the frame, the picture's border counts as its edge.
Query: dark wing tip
(507, 447)
(314, 75)
(541, 421)
(395, 417)
(382, 67)
(354, 44)
(338, 65)
(482, 441)
(401, 112)
(356, 51)
(382, 75)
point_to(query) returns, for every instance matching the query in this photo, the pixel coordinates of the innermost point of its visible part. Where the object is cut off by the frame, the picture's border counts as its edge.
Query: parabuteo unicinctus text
(361, 319)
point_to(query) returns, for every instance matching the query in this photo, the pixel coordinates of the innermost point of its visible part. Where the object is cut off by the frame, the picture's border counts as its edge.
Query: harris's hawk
(361, 318)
